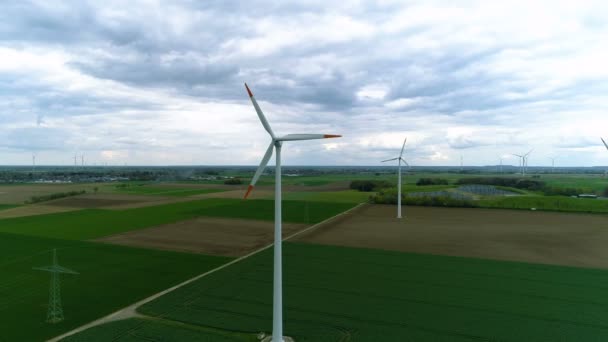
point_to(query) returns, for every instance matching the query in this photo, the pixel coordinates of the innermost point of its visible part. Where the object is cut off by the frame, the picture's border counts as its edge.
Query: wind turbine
(276, 143)
(521, 168)
(605, 172)
(400, 159)
(525, 159)
(552, 164)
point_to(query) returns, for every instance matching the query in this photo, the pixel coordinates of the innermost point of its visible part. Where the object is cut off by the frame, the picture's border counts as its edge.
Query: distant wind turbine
(521, 168)
(400, 159)
(526, 160)
(552, 164)
(275, 143)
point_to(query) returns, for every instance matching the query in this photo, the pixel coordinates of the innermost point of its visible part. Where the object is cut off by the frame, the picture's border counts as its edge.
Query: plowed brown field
(214, 236)
(539, 237)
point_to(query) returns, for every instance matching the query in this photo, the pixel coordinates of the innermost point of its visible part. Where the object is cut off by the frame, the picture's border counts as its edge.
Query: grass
(137, 329)
(94, 223)
(347, 196)
(549, 203)
(110, 277)
(343, 294)
(164, 191)
(7, 206)
(589, 183)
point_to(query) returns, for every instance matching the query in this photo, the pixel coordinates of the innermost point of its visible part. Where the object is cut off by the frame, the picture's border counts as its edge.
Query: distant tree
(432, 181)
(233, 181)
(369, 185)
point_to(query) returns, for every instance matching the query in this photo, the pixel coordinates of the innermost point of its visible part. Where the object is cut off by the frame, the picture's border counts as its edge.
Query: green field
(110, 277)
(164, 191)
(93, 223)
(349, 294)
(347, 196)
(549, 203)
(589, 183)
(7, 206)
(138, 329)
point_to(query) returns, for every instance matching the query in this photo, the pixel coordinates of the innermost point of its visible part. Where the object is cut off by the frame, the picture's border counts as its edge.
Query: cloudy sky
(161, 82)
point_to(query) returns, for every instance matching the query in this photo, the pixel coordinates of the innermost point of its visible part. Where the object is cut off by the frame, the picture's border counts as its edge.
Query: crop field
(165, 191)
(347, 196)
(590, 183)
(110, 277)
(350, 294)
(207, 235)
(19, 193)
(549, 203)
(528, 236)
(7, 206)
(94, 223)
(138, 329)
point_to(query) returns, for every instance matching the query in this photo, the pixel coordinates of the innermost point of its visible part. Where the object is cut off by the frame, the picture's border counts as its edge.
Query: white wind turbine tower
(525, 159)
(275, 143)
(552, 164)
(521, 168)
(607, 149)
(400, 159)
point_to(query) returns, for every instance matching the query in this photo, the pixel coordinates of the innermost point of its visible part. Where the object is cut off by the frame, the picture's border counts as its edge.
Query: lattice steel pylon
(55, 310)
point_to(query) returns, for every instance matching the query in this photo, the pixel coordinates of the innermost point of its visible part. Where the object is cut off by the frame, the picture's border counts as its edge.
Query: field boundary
(131, 310)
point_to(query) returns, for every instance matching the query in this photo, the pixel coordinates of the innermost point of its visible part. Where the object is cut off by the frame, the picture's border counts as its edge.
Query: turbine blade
(260, 169)
(403, 147)
(604, 143)
(405, 162)
(260, 113)
(390, 159)
(291, 137)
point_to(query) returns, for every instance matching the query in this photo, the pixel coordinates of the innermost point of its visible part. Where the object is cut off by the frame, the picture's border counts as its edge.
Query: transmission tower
(55, 311)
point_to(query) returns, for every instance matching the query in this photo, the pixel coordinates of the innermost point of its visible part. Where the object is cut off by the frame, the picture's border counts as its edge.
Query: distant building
(587, 196)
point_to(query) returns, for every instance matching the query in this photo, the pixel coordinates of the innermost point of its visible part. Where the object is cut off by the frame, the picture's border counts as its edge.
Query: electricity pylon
(55, 311)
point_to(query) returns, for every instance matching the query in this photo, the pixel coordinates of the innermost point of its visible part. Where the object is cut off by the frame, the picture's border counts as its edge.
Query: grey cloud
(182, 48)
(152, 71)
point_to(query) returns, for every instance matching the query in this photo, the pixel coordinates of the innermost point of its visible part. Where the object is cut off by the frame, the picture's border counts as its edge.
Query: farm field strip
(142, 329)
(346, 196)
(165, 191)
(547, 203)
(95, 223)
(8, 206)
(531, 236)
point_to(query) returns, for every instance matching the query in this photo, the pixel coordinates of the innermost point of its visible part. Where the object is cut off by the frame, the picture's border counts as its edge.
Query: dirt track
(227, 237)
(540, 237)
